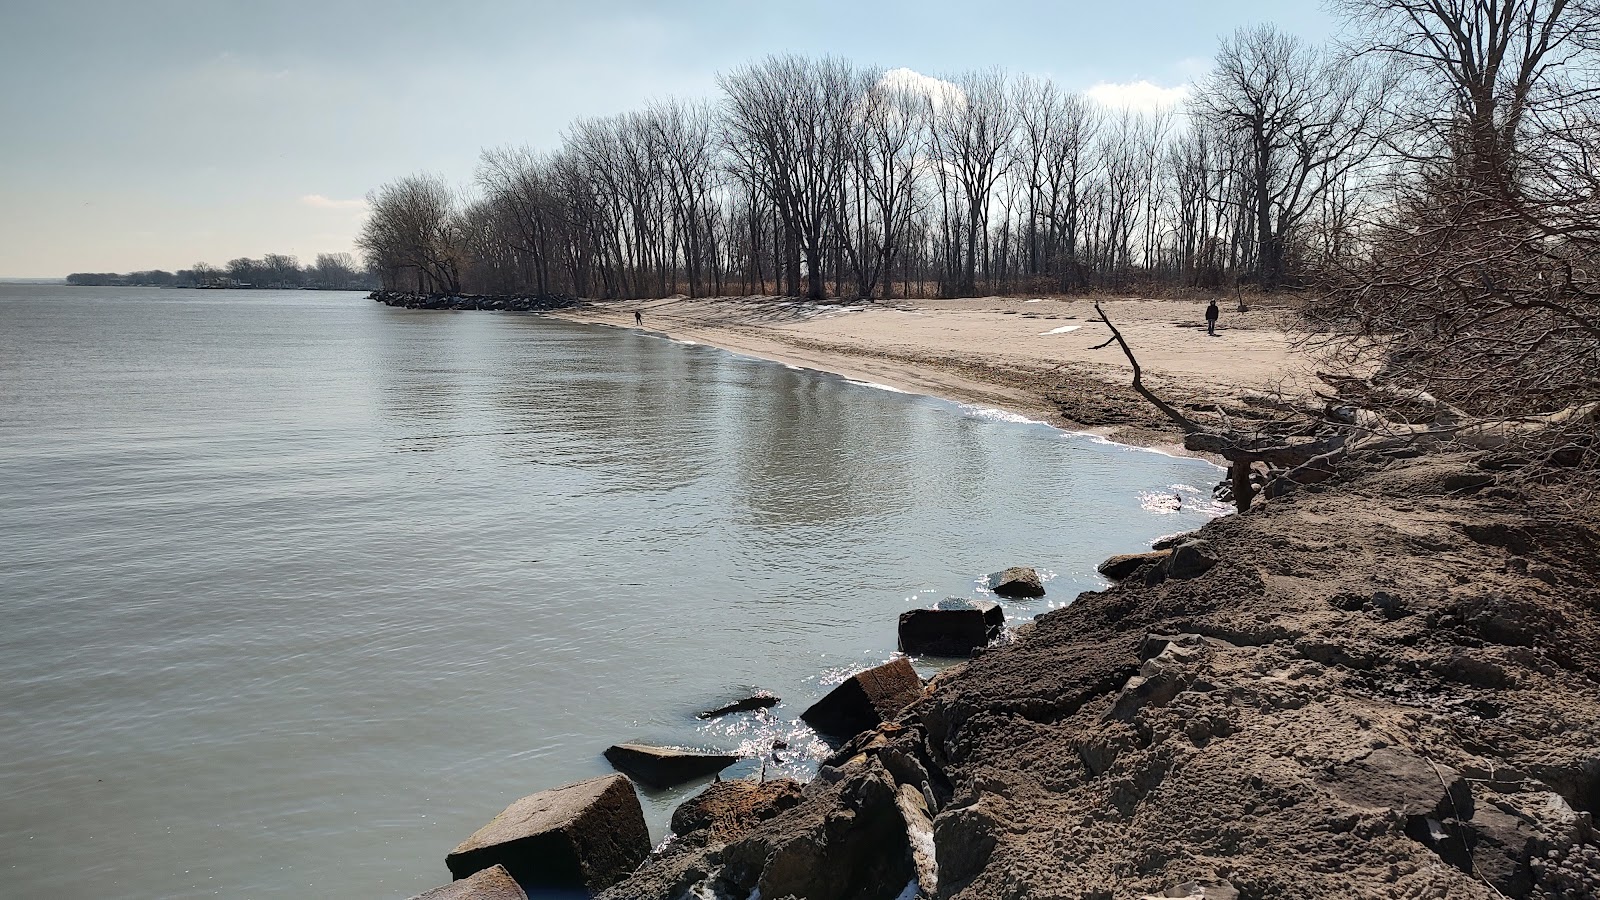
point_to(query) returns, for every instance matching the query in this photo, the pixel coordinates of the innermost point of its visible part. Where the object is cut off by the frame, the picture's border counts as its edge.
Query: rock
(964, 838)
(664, 767)
(955, 628)
(1119, 567)
(581, 837)
(1392, 778)
(1197, 890)
(919, 836)
(844, 840)
(859, 850)
(865, 700)
(1171, 540)
(759, 701)
(493, 883)
(1017, 581)
(728, 810)
(1506, 835)
(1191, 559)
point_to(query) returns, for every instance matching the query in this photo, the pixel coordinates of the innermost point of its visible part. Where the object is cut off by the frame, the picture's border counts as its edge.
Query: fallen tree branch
(1184, 422)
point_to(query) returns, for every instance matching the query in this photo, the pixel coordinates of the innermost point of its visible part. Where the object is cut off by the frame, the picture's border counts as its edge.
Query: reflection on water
(301, 589)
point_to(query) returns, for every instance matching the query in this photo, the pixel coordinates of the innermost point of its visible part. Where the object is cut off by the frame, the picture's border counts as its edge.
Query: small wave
(990, 414)
(874, 384)
(1160, 502)
(1062, 330)
(684, 342)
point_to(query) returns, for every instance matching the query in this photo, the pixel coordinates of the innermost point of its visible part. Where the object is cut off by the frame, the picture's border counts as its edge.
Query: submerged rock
(956, 627)
(865, 700)
(1017, 581)
(581, 837)
(758, 701)
(664, 767)
(493, 883)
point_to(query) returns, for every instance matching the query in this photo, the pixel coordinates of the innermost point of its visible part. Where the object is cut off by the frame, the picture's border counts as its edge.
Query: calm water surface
(299, 590)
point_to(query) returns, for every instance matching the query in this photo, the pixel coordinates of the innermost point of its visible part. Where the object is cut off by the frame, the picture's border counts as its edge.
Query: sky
(162, 133)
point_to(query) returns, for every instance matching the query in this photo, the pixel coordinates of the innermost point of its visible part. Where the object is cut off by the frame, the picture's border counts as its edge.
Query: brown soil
(1388, 687)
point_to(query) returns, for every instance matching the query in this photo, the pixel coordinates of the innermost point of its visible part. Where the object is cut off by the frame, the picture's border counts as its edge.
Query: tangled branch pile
(1481, 282)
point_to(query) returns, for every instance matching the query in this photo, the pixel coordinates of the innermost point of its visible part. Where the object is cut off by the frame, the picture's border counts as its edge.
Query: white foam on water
(874, 384)
(1062, 330)
(990, 414)
(1159, 502)
(684, 342)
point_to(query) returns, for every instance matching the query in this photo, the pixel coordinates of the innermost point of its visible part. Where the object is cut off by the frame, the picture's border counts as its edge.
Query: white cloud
(1140, 96)
(317, 201)
(936, 89)
(912, 80)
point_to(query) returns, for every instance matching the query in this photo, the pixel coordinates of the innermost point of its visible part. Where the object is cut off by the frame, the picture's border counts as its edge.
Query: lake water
(299, 590)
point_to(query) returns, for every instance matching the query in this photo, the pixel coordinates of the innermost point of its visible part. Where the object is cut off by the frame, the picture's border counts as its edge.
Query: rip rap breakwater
(525, 303)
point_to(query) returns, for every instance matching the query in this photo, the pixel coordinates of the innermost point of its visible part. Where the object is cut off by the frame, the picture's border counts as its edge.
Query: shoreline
(993, 352)
(1018, 413)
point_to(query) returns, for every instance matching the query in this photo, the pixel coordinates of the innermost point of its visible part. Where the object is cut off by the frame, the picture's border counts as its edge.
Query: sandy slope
(1032, 357)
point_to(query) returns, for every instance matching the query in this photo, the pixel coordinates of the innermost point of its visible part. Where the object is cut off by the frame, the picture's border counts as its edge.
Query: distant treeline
(331, 271)
(820, 176)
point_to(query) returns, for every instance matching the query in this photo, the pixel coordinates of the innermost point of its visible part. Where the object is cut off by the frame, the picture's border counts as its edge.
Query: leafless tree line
(820, 177)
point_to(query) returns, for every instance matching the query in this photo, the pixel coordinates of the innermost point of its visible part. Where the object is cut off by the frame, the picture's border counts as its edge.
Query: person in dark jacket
(1211, 317)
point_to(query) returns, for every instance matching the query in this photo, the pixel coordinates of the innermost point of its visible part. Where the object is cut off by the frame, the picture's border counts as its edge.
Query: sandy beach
(1029, 356)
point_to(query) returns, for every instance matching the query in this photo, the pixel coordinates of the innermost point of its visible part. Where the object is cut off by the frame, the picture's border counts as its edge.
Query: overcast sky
(165, 132)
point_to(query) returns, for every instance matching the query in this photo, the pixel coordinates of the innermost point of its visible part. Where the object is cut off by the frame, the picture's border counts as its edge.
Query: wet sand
(1029, 356)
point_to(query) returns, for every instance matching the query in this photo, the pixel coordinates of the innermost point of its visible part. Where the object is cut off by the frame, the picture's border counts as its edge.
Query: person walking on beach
(1211, 318)
(638, 317)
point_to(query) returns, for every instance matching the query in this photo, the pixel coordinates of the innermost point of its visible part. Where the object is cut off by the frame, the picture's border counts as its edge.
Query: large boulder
(1191, 559)
(582, 837)
(1017, 581)
(845, 840)
(757, 701)
(956, 627)
(1119, 567)
(664, 767)
(493, 883)
(1172, 540)
(866, 700)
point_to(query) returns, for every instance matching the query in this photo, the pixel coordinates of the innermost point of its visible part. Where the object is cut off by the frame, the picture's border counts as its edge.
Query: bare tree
(1303, 119)
(413, 227)
(788, 121)
(972, 124)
